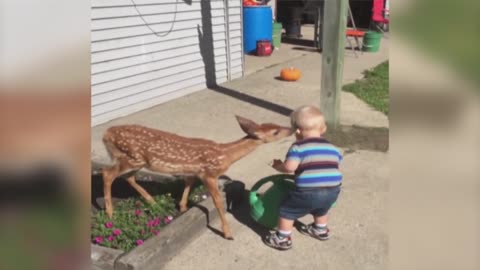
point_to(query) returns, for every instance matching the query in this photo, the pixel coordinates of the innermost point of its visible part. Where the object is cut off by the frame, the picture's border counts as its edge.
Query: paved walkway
(359, 228)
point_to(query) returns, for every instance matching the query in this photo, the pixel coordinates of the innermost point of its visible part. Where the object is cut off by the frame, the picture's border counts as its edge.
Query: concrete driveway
(359, 221)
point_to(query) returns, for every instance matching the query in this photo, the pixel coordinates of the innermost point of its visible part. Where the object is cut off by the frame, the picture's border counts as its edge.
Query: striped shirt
(319, 161)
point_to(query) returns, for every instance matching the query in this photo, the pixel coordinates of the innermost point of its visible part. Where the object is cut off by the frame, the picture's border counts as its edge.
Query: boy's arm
(340, 156)
(289, 166)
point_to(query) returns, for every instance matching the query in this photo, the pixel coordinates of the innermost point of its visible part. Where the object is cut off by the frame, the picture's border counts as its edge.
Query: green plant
(135, 220)
(198, 194)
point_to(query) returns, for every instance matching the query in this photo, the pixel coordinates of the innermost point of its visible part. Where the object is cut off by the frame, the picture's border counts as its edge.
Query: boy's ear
(324, 129)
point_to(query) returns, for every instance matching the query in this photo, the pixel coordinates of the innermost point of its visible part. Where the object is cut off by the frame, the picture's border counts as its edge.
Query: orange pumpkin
(290, 74)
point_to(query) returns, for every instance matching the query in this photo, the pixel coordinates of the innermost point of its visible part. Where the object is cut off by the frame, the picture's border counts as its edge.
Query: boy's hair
(307, 118)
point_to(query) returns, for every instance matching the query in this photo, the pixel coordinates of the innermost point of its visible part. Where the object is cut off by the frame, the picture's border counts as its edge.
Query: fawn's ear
(247, 125)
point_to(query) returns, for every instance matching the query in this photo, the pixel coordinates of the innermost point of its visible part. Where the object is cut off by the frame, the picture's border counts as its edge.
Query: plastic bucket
(371, 41)
(276, 34)
(257, 25)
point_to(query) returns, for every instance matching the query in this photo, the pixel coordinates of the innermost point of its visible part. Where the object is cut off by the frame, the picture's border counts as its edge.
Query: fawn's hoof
(183, 209)
(229, 237)
(151, 201)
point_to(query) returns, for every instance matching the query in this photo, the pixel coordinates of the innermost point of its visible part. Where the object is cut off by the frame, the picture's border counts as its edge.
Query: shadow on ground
(253, 100)
(241, 212)
(298, 41)
(350, 137)
(307, 49)
(359, 138)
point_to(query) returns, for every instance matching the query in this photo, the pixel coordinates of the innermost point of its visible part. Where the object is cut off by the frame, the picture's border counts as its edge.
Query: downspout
(227, 40)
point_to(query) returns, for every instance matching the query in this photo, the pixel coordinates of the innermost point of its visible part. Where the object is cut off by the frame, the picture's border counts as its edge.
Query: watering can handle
(274, 178)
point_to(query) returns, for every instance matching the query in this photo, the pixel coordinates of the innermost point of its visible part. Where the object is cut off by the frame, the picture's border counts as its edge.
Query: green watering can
(265, 207)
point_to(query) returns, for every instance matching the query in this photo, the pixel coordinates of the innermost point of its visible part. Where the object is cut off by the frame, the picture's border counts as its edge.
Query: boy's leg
(325, 199)
(281, 239)
(285, 227)
(321, 220)
(319, 227)
(291, 209)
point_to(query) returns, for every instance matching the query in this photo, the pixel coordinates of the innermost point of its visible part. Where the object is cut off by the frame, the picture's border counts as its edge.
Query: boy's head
(308, 120)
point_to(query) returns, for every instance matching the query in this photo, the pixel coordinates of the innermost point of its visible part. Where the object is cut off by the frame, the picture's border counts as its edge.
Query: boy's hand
(277, 164)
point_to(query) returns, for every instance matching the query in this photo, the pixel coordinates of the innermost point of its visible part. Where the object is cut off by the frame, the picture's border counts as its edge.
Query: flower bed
(134, 220)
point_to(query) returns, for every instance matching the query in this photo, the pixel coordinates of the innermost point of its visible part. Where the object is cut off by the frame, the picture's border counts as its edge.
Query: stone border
(103, 258)
(158, 250)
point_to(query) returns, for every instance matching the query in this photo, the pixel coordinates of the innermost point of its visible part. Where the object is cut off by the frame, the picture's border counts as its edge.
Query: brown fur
(134, 147)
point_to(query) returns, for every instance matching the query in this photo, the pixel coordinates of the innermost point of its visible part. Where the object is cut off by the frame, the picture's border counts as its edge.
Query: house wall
(186, 45)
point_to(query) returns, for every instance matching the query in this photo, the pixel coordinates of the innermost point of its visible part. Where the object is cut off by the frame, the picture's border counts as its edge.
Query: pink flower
(139, 242)
(168, 219)
(156, 221)
(138, 212)
(156, 232)
(117, 232)
(98, 239)
(110, 238)
(150, 223)
(108, 225)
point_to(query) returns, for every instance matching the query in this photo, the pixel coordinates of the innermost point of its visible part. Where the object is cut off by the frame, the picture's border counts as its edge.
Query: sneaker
(320, 234)
(272, 240)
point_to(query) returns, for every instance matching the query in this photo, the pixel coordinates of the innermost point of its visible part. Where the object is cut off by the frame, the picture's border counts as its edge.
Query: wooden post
(334, 27)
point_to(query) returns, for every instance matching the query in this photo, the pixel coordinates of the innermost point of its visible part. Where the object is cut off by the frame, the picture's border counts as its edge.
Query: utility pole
(334, 33)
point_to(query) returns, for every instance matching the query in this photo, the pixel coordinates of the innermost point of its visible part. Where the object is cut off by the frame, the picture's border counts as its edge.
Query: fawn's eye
(276, 132)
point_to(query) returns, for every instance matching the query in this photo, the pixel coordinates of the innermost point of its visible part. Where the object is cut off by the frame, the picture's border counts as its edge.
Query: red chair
(378, 15)
(354, 33)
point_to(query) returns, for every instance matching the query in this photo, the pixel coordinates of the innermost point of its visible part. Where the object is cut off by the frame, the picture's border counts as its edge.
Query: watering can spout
(257, 210)
(253, 199)
(264, 207)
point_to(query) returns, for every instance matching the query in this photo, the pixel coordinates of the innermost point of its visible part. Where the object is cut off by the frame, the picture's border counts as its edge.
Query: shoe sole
(276, 247)
(317, 237)
(305, 231)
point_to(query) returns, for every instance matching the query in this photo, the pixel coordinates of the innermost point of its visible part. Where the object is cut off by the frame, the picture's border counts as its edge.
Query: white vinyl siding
(235, 38)
(134, 69)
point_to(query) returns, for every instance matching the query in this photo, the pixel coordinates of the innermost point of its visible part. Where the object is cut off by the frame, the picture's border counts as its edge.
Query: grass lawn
(450, 40)
(373, 88)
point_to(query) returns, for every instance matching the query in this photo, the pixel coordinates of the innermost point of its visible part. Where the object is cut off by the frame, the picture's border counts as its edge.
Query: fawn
(133, 147)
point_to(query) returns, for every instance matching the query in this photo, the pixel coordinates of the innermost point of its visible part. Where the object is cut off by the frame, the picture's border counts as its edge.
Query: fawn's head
(265, 132)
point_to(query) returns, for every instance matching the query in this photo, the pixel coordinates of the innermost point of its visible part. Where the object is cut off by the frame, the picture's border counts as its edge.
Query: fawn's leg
(109, 175)
(121, 167)
(212, 187)
(131, 180)
(189, 180)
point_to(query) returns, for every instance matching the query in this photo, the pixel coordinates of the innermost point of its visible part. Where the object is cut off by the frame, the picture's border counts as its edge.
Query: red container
(264, 48)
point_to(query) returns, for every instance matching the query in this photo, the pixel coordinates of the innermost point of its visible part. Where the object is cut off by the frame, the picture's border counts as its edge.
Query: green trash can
(276, 34)
(371, 41)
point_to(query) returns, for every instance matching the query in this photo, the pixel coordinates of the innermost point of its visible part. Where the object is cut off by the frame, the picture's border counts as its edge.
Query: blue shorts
(316, 202)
